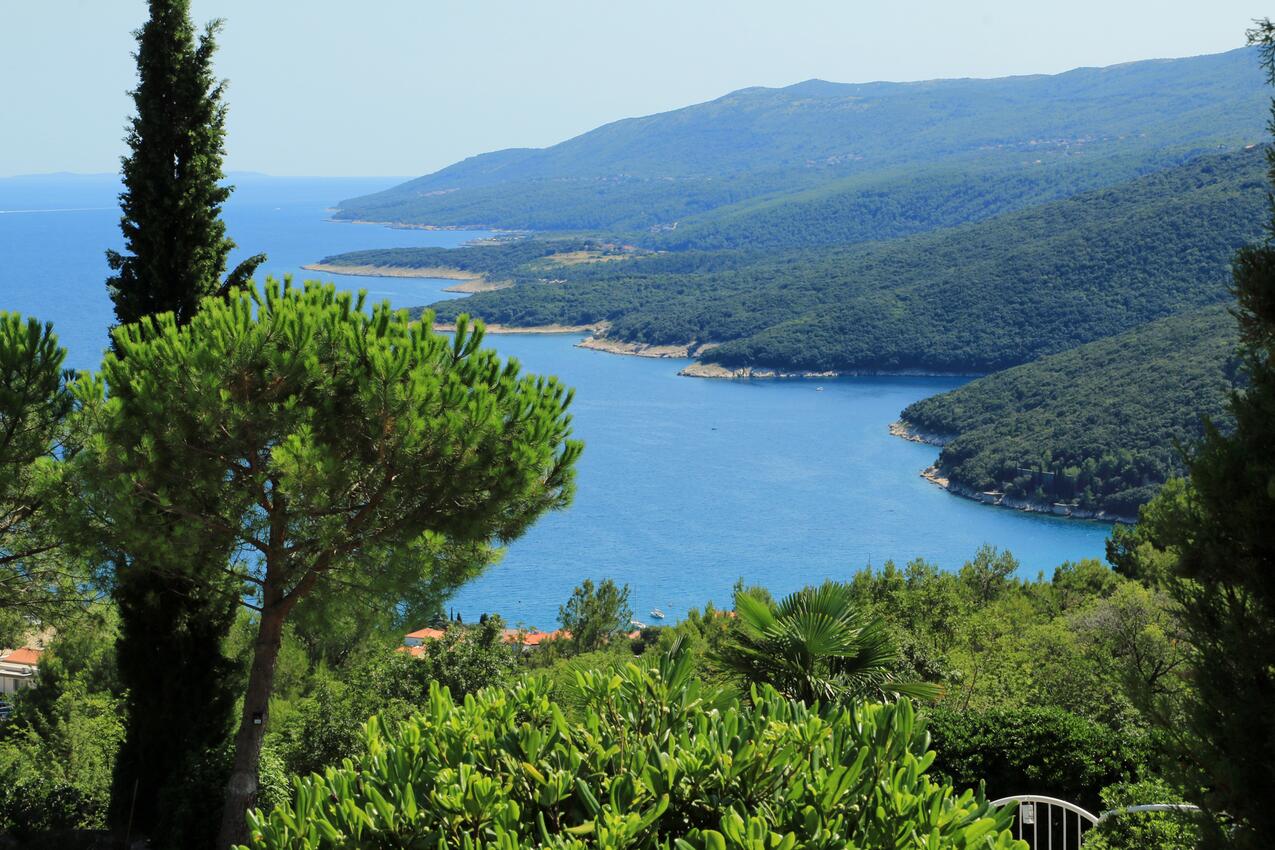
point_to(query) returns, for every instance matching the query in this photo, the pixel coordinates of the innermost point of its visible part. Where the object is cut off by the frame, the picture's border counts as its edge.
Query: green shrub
(43, 803)
(326, 726)
(1142, 830)
(1044, 750)
(653, 764)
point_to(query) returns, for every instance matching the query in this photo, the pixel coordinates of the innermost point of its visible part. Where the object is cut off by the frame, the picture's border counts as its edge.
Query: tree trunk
(241, 789)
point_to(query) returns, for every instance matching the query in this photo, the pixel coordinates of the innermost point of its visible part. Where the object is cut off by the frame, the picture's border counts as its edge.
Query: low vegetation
(655, 761)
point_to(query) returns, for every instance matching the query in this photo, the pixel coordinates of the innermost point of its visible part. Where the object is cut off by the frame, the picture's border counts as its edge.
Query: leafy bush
(1136, 831)
(324, 727)
(42, 803)
(1043, 750)
(816, 644)
(653, 764)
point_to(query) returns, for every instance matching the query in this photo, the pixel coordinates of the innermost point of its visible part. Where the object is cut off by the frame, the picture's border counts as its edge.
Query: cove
(685, 485)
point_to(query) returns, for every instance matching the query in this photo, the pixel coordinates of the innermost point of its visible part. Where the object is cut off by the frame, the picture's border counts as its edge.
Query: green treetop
(34, 403)
(324, 449)
(593, 615)
(175, 241)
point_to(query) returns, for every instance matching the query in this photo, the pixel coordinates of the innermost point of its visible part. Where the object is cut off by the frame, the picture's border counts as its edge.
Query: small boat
(657, 613)
(818, 389)
(637, 624)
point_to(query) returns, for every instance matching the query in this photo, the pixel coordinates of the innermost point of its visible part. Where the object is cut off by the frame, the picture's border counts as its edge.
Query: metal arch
(1052, 801)
(1084, 820)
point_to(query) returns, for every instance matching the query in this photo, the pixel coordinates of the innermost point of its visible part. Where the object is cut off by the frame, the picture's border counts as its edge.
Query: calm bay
(686, 484)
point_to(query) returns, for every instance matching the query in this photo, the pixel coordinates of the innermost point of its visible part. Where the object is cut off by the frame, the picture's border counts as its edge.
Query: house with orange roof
(414, 642)
(18, 668)
(418, 637)
(532, 640)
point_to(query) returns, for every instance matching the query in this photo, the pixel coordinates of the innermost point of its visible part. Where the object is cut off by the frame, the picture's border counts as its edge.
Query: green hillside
(1097, 426)
(656, 170)
(902, 202)
(971, 299)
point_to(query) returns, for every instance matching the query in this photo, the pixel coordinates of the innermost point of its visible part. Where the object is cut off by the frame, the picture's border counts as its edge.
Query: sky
(404, 87)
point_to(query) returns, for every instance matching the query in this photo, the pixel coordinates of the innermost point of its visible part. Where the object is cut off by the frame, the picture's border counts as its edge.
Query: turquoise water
(685, 484)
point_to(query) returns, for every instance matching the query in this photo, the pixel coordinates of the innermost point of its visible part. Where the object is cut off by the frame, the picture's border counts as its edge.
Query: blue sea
(685, 485)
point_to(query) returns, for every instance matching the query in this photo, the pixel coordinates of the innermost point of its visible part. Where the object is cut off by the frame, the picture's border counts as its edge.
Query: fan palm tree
(816, 645)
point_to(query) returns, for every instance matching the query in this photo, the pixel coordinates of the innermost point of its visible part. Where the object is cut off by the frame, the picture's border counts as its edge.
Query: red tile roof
(525, 638)
(25, 655)
(537, 638)
(426, 634)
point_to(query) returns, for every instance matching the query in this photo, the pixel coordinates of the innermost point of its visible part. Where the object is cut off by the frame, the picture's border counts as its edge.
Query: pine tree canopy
(317, 440)
(34, 403)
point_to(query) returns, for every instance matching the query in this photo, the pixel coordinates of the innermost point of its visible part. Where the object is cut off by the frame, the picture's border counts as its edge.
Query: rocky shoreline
(448, 327)
(994, 498)
(715, 370)
(997, 499)
(903, 430)
(643, 349)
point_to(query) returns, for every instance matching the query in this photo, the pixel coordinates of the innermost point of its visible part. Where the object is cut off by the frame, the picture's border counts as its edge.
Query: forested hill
(657, 170)
(901, 202)
(1095, 426)
(970, 299)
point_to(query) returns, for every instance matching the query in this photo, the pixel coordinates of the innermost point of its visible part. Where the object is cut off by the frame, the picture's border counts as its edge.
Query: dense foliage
(657, 170)
(58, 750)
(656, 762)
(35, 583)
(1098, 426)
(318, 712)
(1219, 529)
(1048, 749)
(900, 202)
(1172, 830)
(970, 299)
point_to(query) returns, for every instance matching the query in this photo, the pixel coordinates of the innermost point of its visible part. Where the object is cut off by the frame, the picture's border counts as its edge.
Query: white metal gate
(1047, 823)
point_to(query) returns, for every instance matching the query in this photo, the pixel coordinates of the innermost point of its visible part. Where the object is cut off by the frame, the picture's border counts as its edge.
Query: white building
(18, 668)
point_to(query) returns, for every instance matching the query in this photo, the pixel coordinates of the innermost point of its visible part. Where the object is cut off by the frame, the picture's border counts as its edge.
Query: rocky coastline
(643, 349)
(715, 370)
(1000, 500)
(449, 327)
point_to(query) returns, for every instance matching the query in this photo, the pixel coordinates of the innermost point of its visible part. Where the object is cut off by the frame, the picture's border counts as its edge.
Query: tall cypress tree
(1225, 536)
(181, 690)
(175, 241)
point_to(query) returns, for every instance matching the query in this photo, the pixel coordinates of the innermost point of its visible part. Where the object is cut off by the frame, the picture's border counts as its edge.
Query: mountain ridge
(759, 139)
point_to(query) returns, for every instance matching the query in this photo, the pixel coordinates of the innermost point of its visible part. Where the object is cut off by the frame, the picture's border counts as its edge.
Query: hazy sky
(403, 87)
